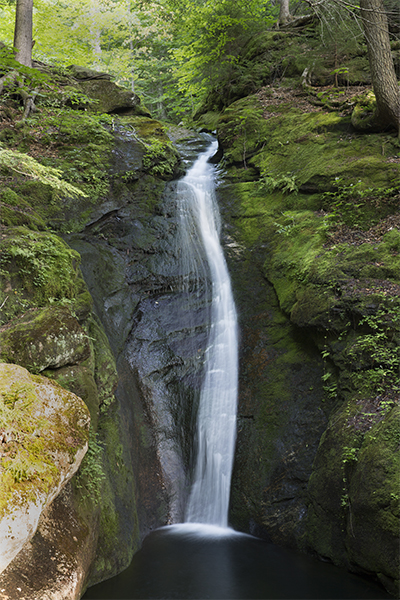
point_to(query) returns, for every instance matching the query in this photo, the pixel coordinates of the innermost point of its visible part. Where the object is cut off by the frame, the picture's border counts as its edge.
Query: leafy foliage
(286, 183)
(212, 34)
(169, 51)
(26, 165)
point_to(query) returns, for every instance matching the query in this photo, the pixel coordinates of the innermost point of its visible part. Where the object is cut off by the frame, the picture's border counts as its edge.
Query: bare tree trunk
(23, 32)
(386, 87)
(284, 14)
(160, 104)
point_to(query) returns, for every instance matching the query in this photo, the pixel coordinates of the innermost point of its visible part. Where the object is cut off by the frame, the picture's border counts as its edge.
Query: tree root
(29, 102)
(11, 80)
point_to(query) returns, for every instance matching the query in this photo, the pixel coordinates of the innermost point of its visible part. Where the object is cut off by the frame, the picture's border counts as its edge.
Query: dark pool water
(183, 562)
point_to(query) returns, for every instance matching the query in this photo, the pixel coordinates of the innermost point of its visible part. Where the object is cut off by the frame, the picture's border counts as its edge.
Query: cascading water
(198, 561)
(216, 421)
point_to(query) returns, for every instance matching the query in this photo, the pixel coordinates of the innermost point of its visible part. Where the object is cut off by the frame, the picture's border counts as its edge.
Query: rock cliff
(312, 213)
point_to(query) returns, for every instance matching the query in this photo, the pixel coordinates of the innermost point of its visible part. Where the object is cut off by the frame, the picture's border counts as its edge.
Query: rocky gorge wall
(50, 327)
(312, 235)
(129, 340)
(314, 267)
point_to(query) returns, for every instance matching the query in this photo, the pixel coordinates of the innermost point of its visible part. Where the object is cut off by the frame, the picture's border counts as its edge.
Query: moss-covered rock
(159, 156)
(317, 205)
(104, 96)
(44, 436)
(35, 268)
(43, 338)
(312, 148)
(15, 211)
(354, 490)
(79, 379)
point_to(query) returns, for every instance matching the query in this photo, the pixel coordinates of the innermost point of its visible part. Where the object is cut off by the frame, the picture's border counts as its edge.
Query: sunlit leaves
(211, 36)
(169, 51)
(24, 164)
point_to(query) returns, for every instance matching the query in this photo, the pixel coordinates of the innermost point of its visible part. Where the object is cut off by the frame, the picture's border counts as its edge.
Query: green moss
(160, 157)
(35, 269)
(313, 147)
(239, 130)
(91, 477)
(14, 211)
(105, 371)
(354, 488)
(315, 181)
(48, 337)
(363, 111)
(117, 496)
(79, 380)
(83, 146)
(33, 433)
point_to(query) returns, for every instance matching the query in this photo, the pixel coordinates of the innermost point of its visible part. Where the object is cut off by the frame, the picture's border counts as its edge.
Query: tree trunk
(284, 14)
(160, 104)
(23, 32)
(386, 87)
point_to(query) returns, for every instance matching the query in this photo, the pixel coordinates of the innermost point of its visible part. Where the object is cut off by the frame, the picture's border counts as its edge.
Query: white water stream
(216, 421)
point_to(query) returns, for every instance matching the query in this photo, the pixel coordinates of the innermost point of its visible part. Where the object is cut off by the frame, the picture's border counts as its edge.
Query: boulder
(43, 439)
(108, 96)
(44, 338)
(54, 564)
(353, 518)
(84, 73)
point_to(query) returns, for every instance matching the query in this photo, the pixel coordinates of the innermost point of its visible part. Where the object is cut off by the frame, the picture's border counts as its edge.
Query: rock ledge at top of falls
(43, 438)
(107, 96)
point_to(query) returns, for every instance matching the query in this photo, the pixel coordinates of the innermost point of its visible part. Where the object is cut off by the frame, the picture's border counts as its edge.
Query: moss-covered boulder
(43, 438)
(43, 338)
(354, 490)
(36, 268)
(105, 96)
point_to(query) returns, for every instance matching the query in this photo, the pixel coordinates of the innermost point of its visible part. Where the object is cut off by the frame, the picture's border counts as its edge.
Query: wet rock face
(280, 419)
(158, 331)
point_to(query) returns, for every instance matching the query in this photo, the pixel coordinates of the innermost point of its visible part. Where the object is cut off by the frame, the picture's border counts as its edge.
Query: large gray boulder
(44, 437)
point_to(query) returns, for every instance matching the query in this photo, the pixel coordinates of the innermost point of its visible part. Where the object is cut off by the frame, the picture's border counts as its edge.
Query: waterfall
(216, 420)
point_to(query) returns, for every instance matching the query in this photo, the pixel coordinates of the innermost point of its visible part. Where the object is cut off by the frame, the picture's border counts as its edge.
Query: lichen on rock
(44, 434)
(44, 338)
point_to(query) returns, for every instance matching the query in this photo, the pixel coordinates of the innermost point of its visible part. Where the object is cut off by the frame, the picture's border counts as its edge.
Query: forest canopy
(173, 53)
